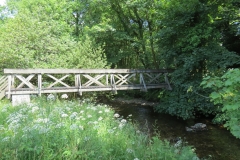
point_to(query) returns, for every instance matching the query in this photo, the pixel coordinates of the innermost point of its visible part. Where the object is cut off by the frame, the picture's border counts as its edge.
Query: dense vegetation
(196, 38)
(69, 130)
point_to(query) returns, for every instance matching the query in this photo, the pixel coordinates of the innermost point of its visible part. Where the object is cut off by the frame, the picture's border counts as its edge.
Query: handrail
(87, 71)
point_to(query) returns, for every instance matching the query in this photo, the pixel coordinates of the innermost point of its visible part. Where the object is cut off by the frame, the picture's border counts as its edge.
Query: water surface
(216, 142)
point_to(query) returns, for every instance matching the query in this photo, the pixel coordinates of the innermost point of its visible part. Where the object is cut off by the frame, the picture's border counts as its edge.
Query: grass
(59, 130)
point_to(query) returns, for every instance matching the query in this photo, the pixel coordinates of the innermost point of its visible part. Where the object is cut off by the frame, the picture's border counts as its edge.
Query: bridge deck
(39, 81)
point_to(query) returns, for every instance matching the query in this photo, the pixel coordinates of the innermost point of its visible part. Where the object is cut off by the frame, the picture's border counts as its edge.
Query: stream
(216, 143)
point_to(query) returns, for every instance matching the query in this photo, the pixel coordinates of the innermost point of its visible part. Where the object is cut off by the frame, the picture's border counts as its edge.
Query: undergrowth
(54, 129)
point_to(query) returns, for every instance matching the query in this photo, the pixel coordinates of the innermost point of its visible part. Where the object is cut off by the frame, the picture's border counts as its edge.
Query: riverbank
(137, 101)
(71, 130)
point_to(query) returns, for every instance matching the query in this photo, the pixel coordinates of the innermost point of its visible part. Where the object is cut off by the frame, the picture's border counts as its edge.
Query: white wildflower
(94, 108)
(73, 115)
(81, 112)
(89, 116)
(73, 127)
(86, 138)
(68, 109)
(43, 130)
(81, 127)
(42, 120)
(116, 115)
(77, 118)
(136, 159)
(178, 143)
(123, 121)
(2, 127)
(100, 112)
(90, 122)
(121, 125)
(4, 109)
(5, 139)
(34, 109)
(64, 115)
(129, 150)
(59, 125)
(64, 96)
(107, 110)
(96, 127)
(51, 97)
(100, 118)
(110, 131)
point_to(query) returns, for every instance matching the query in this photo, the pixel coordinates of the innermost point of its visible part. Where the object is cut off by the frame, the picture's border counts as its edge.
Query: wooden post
(143, 82)
(166, 80)
(113, 84)
(78, 83)
(9, 85)
(107, 79)
(39, 84)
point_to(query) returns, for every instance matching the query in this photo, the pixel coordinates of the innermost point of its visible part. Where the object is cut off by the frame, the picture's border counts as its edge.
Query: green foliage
(126, 28)
(190, 43)
(72, 130)
(226, 94)
(39, 36)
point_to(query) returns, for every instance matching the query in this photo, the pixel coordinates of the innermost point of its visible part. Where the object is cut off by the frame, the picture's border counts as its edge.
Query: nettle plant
(226, 94)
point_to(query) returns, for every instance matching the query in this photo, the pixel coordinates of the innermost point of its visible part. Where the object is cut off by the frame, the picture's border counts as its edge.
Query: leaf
(228, 107)
(228, 82)
(215, 95)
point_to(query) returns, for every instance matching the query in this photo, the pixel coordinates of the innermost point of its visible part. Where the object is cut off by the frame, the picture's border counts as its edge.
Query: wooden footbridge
(39, 81)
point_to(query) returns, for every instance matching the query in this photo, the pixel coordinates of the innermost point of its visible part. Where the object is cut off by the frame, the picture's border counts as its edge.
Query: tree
(38, 36)
(226, 96)
(190, 41)
(126, 29)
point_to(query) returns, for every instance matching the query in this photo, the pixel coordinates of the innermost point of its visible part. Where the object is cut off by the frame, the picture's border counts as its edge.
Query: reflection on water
(216, 142)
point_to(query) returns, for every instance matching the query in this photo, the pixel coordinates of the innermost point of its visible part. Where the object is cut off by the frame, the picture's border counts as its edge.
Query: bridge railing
(3, 86)
(38, 81)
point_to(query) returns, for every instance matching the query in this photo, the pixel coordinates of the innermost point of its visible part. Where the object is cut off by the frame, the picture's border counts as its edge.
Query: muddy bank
(135, 101)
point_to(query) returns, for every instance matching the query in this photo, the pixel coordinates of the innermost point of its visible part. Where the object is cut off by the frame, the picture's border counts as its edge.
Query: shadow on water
(216, 142)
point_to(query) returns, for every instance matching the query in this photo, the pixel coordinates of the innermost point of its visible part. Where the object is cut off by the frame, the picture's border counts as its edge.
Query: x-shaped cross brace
(58, 80)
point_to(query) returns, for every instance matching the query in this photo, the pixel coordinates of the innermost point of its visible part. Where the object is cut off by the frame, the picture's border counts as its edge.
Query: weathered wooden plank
(167, 82)
(9, 86)
(143, 82)
(125, 79)
(93, 80)
(153, 78)
(82, 71)
(58, 80)
(3, 79)
(89, 89)
(119, 80)
(3, 82)
(4, 86)
(113, 84)
(25, 81)
(39, 84)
